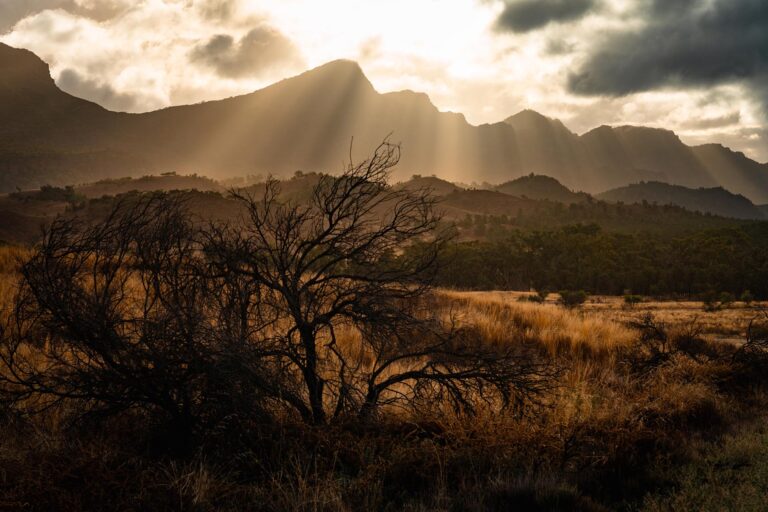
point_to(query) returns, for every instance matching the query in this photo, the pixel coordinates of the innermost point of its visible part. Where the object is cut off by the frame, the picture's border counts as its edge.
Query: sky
(698, 67)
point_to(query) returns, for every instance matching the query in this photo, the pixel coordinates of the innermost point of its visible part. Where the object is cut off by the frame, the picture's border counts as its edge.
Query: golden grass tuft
(560, 331)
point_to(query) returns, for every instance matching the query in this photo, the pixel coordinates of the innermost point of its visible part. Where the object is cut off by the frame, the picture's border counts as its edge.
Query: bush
(715, 302)
(632, 300)
(572, 299)
(534, 298)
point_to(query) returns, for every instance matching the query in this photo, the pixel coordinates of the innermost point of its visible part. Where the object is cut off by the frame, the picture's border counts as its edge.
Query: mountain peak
(22, 69)
(529, 114)
(531, 120)
(341, 65)
(340, 70)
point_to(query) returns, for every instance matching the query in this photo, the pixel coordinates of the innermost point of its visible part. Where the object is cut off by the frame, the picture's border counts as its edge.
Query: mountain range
(308, 122)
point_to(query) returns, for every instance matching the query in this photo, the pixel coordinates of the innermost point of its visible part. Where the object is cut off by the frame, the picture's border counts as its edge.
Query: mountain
(307, 123)
(541, 187)
(716, 201)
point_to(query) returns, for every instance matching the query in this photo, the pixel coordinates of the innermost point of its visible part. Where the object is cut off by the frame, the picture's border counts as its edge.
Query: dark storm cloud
(527, 15)
(683, 43)
(260, 50)
(76, 85)
(559, 47)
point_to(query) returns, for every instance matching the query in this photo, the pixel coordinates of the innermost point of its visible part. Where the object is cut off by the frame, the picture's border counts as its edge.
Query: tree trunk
(369, 406)
(314, 382)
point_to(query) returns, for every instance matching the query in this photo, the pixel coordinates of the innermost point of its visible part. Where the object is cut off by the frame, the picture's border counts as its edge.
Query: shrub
(572, 299)
(716, 302)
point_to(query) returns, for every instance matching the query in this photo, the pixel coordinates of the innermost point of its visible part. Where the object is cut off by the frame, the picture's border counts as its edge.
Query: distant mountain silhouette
(716, 201)
(307, 122)
(541, 187)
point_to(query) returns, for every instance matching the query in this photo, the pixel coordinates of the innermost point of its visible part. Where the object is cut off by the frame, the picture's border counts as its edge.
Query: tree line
(586, 257)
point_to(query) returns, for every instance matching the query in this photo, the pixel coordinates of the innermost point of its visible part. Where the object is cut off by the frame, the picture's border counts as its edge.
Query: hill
(476, 213)
(716, 201)
(436, 186)
(541, 187)
(306, 123)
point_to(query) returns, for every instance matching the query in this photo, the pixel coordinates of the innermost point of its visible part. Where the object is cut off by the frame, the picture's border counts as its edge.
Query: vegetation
(586, 257)
(148, 313)
(49, 193)
(301, 359)
(632, 300)
(630, 415)
(572, 299)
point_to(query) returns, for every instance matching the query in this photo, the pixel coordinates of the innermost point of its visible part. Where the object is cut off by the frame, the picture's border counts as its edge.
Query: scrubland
(633, 420)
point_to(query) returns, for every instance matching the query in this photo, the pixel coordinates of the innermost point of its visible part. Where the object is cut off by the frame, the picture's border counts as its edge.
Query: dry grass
(727, 324)
(561, 331)
(596, 440)
(10, 258)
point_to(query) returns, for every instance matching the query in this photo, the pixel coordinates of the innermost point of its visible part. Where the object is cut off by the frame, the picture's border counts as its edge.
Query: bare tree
(338, 262)
(119, 316)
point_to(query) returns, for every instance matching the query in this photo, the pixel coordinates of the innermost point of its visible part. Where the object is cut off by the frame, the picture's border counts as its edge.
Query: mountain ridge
(307, 122)
(715, 200)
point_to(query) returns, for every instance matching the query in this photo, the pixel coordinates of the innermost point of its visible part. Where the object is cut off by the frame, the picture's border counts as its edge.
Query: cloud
(70, 81)
(13, 11)
(217, 10)
(528, 15)
(260, 50)
(708, 123)
(752, 141)
(683, 43)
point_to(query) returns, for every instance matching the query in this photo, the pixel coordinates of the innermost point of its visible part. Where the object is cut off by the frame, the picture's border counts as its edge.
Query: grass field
(627, 426)
(727, 324)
